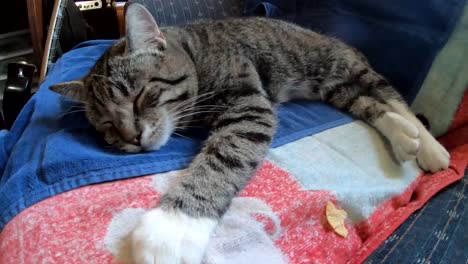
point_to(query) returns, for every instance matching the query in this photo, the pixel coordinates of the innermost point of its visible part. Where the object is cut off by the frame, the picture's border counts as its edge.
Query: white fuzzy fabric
(239, 237)
(354, 161)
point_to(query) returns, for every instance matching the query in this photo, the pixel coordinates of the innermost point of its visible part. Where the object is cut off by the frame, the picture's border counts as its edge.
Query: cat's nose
(136, 140)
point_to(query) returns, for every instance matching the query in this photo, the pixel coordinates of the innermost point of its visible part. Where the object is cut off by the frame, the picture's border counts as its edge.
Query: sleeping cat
(228, 75)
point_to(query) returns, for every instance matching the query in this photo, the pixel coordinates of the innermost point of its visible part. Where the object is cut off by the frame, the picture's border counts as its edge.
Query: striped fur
(230, 75)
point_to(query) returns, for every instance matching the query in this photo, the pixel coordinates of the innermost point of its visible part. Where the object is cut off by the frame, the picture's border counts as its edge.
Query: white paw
(432, 156)
(402, 134)
(170, 237)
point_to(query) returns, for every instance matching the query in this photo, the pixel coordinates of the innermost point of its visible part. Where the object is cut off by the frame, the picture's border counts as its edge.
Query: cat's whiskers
(199, 108)
(195, 107)
(207, 95)
(186, 127)
(210, 106)
(193, 114)
(188, 121)
(187, 103)
(73, 112)
(180, 135)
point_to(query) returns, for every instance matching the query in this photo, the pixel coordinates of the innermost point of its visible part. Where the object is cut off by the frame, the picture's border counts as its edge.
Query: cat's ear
(142, 30)
(73, 89)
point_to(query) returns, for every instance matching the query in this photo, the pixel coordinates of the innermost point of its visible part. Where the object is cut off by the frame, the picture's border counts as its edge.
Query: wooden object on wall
(36, 26)
(120, 10)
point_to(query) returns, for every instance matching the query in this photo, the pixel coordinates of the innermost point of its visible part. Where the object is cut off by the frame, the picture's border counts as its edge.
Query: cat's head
(140, 90)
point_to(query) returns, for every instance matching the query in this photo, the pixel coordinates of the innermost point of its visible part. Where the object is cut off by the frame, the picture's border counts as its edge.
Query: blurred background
(28, 45)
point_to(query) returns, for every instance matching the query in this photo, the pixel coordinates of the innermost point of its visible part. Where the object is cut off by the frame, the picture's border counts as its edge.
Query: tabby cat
(228, 75)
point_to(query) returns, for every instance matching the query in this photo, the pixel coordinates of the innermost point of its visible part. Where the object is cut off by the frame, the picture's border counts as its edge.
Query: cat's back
(240, 26)
(281, 52)
(251, 33)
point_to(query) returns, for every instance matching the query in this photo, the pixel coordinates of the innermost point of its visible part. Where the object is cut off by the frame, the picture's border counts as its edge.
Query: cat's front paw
(170, 237)
(432, 155)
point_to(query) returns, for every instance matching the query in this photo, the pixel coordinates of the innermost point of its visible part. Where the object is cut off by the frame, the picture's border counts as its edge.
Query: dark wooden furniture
(36, 27)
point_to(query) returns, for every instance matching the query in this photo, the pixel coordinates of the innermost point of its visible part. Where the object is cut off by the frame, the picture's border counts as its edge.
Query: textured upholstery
(176, 12)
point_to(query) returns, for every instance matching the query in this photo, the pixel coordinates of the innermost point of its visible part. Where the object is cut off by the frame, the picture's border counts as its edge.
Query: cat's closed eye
(182, 97)
(107, 123)
(136, 104)
(170, 82)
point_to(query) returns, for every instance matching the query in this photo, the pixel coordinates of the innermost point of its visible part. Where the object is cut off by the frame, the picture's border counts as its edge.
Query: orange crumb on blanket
(336, 217)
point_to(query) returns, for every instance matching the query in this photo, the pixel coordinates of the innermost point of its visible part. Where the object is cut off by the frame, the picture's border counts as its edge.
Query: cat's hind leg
(368, 96)
(432, 156)
(402, 134)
